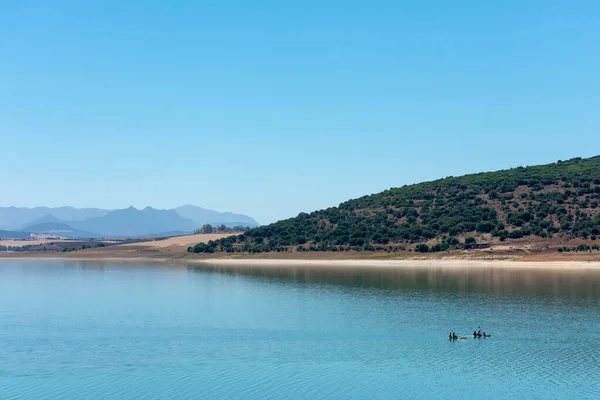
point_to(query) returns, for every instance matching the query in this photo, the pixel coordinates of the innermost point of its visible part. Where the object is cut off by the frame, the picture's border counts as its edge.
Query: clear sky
(274, 107)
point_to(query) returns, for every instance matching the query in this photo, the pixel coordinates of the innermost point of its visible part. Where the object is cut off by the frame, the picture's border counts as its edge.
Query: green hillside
(456, 212)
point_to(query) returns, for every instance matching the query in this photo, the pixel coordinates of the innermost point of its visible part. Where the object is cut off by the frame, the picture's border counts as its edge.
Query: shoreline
(332, 263)
(427, 263)
(399, 264)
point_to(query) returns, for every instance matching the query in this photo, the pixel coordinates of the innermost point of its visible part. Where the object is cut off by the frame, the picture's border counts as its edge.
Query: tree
(422, 248)
(452, 241)
(470, 240)
(207, 228)
(485, 227)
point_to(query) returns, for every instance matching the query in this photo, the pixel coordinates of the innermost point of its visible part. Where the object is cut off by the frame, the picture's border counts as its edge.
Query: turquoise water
(107, 331)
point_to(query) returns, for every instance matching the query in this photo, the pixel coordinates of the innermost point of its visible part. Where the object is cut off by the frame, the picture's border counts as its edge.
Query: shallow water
(106, 331)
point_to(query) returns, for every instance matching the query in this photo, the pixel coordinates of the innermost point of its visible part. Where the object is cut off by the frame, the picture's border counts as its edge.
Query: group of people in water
(479, 334)
(476, 334)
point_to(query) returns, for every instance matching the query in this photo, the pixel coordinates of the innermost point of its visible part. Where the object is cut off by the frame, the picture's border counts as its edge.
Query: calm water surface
(107, 331)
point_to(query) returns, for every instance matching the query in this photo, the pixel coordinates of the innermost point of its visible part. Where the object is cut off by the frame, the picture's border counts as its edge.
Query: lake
(89, 330)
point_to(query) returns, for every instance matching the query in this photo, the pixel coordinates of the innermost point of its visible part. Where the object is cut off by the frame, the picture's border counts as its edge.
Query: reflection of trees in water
(502, 281)
(87, 265)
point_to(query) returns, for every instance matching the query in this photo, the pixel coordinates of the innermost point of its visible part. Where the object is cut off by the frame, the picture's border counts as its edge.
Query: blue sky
(274, 107)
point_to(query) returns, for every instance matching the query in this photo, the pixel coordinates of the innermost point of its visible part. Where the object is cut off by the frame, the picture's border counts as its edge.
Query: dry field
(178, 241)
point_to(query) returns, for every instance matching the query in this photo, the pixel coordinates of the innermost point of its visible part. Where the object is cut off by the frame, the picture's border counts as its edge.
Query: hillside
(43, 220)
(553, 200)
(57, 229)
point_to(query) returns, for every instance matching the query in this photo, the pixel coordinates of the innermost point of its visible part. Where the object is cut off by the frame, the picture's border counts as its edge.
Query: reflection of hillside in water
(504, 281)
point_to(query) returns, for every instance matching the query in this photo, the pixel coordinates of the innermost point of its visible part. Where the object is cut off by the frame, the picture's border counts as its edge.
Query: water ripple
(156, 334)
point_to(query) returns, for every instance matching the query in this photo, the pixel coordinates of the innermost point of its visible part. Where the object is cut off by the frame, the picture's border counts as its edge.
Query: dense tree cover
(555, 199)
(581, 247)
(208, 228)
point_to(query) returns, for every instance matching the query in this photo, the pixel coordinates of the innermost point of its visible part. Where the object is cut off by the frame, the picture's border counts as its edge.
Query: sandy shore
(405, 263)
(340, 263)
(518, 254)
(173, 251)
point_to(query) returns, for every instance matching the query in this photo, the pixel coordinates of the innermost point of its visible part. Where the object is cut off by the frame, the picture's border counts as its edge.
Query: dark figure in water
(450, 336)
(454, 336)
(474, 334)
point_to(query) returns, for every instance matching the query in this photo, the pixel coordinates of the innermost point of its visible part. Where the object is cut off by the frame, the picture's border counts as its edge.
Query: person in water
(454, 336)
(474, 333)
(450, 336)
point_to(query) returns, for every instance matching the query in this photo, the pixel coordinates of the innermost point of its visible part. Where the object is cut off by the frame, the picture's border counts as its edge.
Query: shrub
(452, 241)
(515, 234)
(422, 248)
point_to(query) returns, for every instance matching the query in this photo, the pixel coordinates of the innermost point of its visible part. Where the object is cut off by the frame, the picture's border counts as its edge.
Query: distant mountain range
(94, 222)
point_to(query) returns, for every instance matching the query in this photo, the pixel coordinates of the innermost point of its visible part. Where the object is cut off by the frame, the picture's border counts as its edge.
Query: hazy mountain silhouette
(134, 222)
(42, 220)
(202, 216)
(15, 218)
(94, 222)
(58, 229)
(13, 235)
